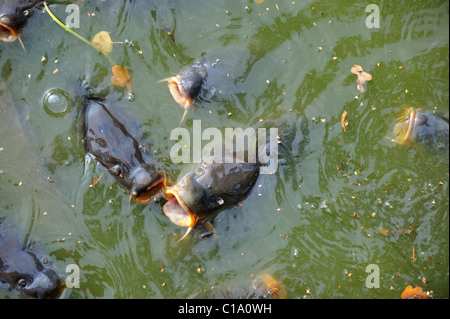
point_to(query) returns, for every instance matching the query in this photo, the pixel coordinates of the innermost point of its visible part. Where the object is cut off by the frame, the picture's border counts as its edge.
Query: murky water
(314, 225)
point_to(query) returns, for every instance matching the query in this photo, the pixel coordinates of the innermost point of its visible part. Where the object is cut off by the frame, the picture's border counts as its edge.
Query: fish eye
(21, 282)
(199, 170)
(26, 13)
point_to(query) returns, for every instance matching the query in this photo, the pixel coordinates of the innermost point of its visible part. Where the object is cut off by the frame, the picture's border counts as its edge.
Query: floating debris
(344, 122)
(363, 77)
(121, 77)
(169, 31)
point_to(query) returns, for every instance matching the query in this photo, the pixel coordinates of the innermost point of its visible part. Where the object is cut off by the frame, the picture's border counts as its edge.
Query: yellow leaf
(102, 41)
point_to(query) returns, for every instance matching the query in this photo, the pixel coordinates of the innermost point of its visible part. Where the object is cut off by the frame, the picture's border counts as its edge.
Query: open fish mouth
(179, 93)
(7, 33)
(405, 127)
(178, 212)
(154, 190)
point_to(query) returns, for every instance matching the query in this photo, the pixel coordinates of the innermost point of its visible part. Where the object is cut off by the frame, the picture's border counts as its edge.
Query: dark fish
(212, 75)
(13, 17)
(21, 269)
(425, 129)
(206, 190)
(108, 140)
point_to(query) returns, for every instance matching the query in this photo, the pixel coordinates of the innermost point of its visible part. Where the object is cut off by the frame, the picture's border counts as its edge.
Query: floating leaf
(414, 293)
(121, 77)
(363, 77)
(102, 41)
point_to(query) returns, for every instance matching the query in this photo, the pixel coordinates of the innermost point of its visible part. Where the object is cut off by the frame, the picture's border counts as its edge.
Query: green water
(314, 225)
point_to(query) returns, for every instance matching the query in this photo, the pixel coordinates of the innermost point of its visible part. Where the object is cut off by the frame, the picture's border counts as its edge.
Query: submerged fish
(21, 269)
(211, 75)
(263, 286)
(109, 141)
(206, 190)
(13, 17)
(426, 129)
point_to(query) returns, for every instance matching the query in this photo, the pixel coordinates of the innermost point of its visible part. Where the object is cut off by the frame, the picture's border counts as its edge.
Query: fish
(426, 129)
(210, 187)
(109, 141)
(22, 268)
(212, 75)
(262, 286)
(223, 181)
(14, 15)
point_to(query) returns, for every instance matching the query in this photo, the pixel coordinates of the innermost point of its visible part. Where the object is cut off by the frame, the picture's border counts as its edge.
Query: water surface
(315, 224)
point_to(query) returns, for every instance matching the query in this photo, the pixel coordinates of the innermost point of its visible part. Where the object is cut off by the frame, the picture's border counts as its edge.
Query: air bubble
(56, 102)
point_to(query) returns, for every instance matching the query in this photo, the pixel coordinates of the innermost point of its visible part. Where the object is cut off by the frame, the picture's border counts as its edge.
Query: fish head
(186, 86)
(31, 277)
(47, 284)
(207, 189)
(13, 17)
(406, 128)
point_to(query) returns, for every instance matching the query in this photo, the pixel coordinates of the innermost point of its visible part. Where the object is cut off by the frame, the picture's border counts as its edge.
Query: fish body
(109, 141)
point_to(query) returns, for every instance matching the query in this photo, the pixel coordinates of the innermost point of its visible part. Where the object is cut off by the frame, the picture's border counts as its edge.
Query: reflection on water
(314, 225)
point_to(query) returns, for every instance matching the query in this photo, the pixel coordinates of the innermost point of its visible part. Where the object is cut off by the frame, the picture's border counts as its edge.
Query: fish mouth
(410, 117)
(177, 210)
(179, 93)
(7, 33)
(152, 191)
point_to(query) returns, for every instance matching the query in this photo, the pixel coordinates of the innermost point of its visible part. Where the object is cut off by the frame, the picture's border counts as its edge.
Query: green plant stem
(62, 25)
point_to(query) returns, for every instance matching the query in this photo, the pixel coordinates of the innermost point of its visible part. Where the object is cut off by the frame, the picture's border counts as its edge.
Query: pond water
(315, 225)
